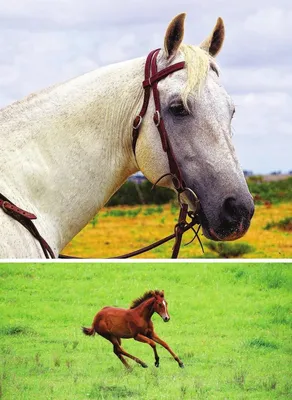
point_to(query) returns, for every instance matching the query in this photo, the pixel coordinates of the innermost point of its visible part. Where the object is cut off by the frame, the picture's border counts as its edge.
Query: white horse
(66, 150)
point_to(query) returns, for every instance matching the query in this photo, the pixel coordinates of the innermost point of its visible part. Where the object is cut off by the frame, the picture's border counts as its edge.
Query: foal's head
(197, 113)
(160, 305)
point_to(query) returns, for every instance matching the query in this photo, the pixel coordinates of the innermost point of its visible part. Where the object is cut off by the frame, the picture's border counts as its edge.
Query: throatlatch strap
(147, 92)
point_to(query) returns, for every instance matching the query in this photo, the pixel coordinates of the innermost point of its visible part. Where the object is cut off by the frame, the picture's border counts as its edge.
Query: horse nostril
(235, 209)
(230, 207)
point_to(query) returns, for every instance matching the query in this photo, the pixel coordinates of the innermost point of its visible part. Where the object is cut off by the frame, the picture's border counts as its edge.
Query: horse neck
(69, 147)
(146, 309)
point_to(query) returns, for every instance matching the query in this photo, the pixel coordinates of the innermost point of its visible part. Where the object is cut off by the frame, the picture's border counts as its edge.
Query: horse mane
(197, 63)
(147, 295)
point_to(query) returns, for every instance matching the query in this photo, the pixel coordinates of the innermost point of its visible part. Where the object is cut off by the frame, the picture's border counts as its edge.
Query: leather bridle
(152, 77)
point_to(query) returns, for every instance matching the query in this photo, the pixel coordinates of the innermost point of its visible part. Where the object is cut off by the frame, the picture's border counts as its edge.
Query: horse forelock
(147, 295)
(197, 62)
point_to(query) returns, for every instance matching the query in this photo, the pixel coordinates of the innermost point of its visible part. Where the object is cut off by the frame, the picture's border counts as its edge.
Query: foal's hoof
(181, 365)
(156, 364)
(144, 365)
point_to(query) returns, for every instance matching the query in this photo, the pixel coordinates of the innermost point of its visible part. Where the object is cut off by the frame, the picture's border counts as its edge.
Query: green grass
(229, 250)
(122, 213)
(284, 224)
(230, 324)
(128, 213)
(274, 191)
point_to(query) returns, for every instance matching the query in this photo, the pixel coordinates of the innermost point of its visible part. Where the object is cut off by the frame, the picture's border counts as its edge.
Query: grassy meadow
(121, 229)
(230, 324)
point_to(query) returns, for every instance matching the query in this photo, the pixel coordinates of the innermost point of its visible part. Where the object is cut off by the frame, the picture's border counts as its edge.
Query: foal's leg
(119, 351)
(116, 343)
(165, 345)
(145, 339)
(118, 354)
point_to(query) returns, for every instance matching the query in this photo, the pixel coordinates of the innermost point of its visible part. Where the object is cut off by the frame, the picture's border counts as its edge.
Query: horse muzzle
(233, 222)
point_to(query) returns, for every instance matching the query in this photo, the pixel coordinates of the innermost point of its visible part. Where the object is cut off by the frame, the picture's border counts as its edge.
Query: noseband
(152, 77)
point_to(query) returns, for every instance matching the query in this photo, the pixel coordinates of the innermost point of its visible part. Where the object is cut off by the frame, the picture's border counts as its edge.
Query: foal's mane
(147, 295)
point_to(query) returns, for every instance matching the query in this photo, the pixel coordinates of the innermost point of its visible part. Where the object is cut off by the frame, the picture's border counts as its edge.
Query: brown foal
(115, 324)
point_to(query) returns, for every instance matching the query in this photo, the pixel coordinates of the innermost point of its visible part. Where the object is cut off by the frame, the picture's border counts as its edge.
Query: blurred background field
(131, 221)
(230, 324)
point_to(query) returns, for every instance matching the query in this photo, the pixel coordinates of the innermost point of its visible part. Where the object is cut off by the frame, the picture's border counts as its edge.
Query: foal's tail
(88, 331)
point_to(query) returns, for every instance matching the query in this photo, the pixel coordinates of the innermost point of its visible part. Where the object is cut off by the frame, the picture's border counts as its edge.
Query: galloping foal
(115, 324)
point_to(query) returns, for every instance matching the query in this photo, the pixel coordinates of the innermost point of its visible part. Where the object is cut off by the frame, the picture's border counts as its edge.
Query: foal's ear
(215, 40)
(174, 35)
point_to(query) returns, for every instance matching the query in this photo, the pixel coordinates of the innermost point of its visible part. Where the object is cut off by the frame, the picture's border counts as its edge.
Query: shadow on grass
(16, 330)
(106, 391)
(260, 343)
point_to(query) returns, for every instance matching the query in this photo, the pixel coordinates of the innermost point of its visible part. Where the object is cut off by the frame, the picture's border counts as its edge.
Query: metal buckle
(3, 206)
(197, 201)
(139, 123)
(158, 118)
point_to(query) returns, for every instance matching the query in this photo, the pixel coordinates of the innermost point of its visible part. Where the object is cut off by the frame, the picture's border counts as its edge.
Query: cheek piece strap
(152, 77)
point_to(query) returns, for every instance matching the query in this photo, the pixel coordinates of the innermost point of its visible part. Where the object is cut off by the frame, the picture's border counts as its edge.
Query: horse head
(197, 114)
(160, 305)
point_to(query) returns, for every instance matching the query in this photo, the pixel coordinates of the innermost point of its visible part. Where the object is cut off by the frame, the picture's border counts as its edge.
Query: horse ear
(215, 40)
(174, 35)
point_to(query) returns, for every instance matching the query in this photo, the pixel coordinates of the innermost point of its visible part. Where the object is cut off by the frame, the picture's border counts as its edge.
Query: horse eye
(178, 109)
(233, 112)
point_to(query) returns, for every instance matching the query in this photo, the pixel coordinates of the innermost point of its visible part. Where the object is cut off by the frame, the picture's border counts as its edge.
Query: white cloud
(270, 23)
(257, 79)
(263, 114)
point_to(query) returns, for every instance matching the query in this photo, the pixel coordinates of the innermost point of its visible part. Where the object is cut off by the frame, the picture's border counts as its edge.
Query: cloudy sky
(47, 41)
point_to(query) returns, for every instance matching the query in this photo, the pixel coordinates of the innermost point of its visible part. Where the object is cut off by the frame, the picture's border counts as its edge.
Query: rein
(152, 77)
(25, 218)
